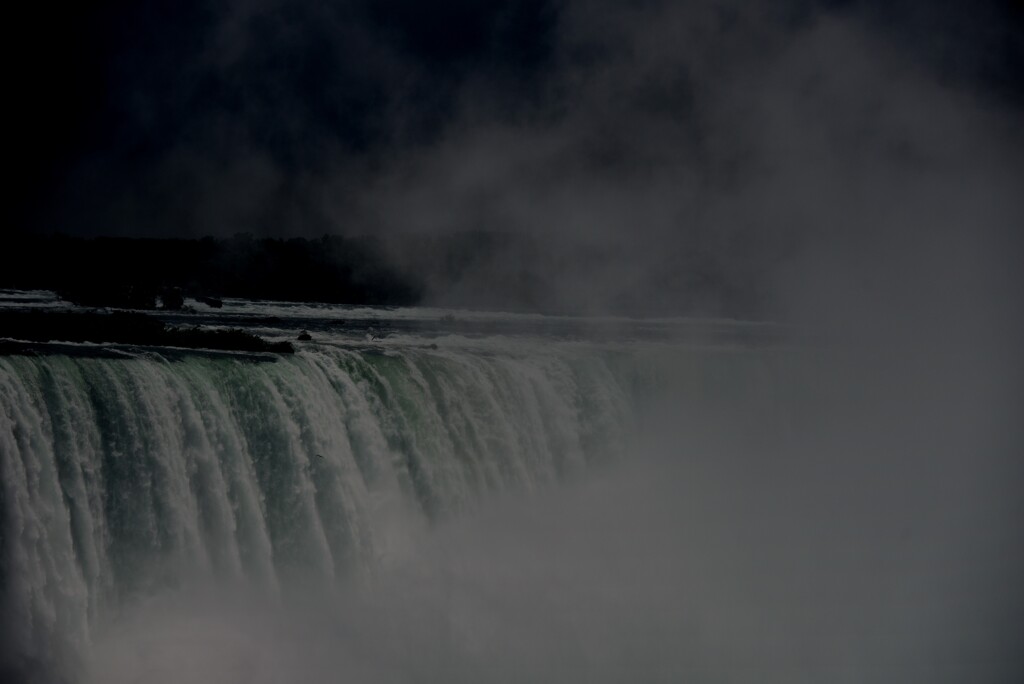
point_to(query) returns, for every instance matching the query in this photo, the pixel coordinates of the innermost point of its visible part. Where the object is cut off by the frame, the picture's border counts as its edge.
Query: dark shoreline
(133, 273)
(124, 328)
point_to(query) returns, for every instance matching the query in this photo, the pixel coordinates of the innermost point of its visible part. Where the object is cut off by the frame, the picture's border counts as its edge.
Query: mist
(698, 158)
(844, 506)
(813, 514)
(709, 154)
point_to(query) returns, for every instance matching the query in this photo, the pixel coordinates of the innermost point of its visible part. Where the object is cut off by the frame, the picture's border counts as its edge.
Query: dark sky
(157, 105)
(710, 136)
(131, 118)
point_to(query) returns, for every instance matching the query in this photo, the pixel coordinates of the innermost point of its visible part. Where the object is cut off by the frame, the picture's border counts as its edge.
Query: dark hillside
(142, 273)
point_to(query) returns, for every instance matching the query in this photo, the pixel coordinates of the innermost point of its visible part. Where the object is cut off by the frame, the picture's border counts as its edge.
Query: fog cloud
(650, 157)
(847, 513)
(785, 515)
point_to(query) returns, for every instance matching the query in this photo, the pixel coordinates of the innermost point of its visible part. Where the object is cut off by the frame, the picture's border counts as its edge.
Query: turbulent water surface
(426, 495)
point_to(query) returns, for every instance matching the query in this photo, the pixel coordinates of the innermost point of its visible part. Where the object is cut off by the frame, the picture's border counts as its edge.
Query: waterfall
(121, 476)
(504, 507)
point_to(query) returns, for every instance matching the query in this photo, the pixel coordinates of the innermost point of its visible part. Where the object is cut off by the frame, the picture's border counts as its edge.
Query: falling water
(502, 499)
(125, 475)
